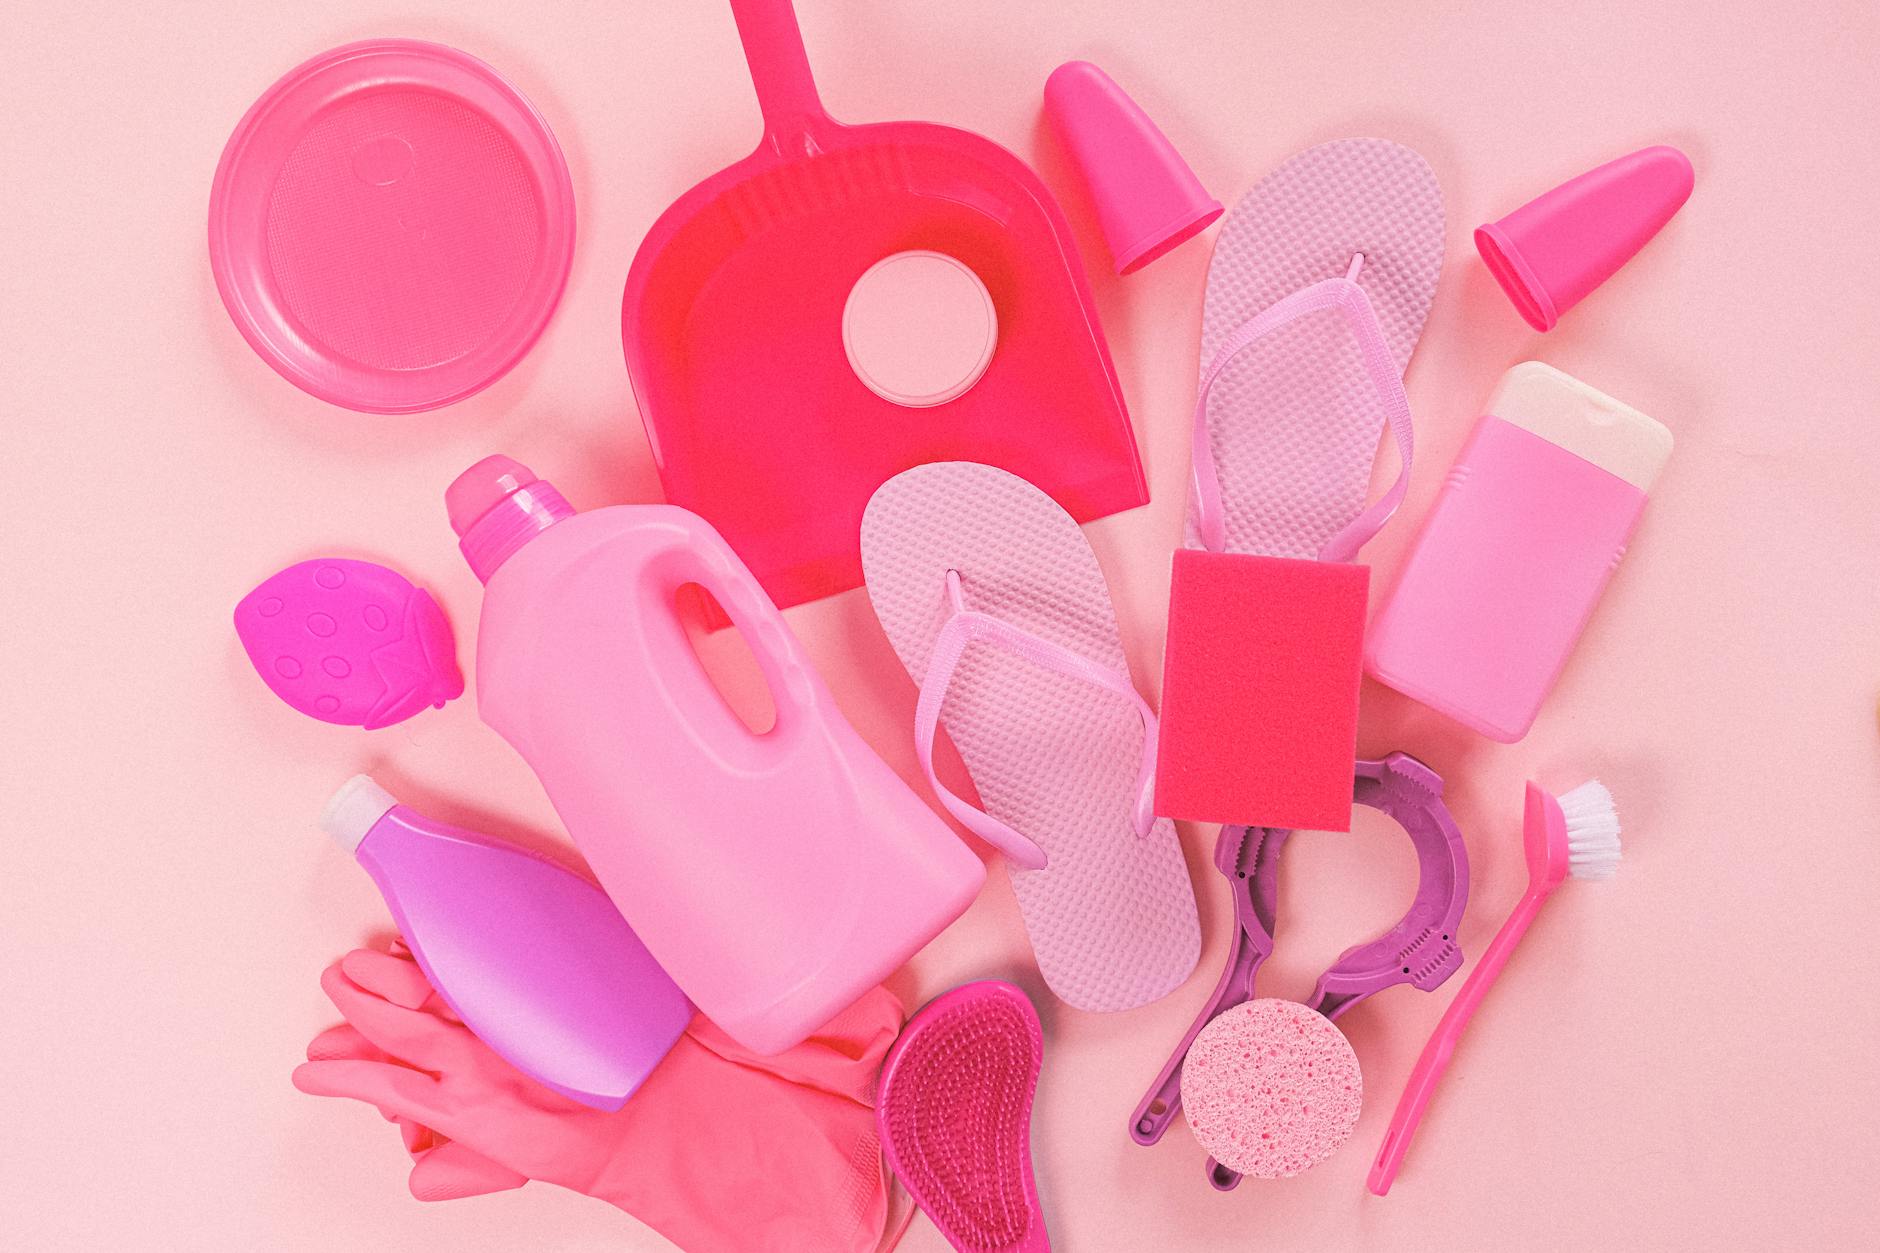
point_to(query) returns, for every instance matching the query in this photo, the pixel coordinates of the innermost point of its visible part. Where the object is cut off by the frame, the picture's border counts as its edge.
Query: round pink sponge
(1271, 1088)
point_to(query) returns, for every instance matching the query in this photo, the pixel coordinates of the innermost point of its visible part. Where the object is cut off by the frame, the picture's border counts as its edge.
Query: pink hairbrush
(349, 642)
(1314, 1111)
(954, 1113)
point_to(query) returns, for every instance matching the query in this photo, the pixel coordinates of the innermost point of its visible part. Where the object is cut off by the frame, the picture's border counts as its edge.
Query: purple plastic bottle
(533, 958)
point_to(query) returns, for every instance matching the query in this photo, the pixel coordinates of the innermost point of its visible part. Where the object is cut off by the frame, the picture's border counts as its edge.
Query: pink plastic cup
(1552, 252)
(1148, 200)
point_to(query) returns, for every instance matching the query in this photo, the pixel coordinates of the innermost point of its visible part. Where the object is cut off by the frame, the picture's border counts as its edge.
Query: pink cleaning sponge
(1260, 691)
(1271, 1088)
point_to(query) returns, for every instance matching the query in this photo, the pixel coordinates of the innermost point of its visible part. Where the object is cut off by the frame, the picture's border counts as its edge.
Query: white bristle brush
(1576, 834)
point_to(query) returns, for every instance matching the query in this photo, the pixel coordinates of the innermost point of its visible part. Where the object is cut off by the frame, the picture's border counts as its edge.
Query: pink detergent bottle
(776, 876)
(533, 958)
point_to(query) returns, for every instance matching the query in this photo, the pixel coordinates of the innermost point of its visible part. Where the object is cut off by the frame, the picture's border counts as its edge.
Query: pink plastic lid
(1551, 253)
(497, 506)
(919, 328)
(391, 226)
(1147, 198)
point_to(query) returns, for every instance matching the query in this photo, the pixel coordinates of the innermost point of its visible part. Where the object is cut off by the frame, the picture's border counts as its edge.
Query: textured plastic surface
(1112, 916)
(349, 642)
(533, 958)
(1147, 199)
(1294, 420)
(732, 314)
(1420, 950)
(955, 1116)
(1549, 254)
(719, 1149)
(775, 876)
(1576, 834)
(1260, 690)
(919, 328)
(391, 226)
(1511, 562)
(1271, 1088)
(1342, 295)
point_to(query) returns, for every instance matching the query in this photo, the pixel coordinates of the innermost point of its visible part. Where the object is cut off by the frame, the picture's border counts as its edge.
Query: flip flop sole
(1294, 420)
(1112, 917)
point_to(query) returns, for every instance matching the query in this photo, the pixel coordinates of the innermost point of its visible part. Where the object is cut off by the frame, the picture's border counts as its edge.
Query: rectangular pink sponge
(1260, 691)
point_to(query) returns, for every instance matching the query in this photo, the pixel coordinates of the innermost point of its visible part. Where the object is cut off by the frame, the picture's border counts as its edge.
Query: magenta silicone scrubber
(349, 642)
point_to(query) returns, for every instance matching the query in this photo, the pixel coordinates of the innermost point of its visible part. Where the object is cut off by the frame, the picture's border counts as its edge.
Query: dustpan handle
(773, 47)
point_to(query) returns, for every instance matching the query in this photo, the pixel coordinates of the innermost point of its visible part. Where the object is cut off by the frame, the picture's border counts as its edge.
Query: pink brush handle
(1442, 1043)
(773, 48)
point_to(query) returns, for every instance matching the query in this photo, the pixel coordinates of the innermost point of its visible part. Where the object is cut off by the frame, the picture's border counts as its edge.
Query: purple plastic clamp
(1420, 950)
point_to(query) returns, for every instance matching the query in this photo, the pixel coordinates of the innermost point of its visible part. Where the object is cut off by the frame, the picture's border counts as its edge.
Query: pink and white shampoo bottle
(533, 958)
(775, 875)
(1530, 525)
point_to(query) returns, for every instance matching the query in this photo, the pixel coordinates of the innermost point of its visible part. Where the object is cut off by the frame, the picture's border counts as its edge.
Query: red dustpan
(732, 324)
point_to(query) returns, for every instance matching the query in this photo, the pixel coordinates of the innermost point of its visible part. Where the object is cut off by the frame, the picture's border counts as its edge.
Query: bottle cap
(1147, 198)
(354, 810)
(497, 506)
(1554, 250)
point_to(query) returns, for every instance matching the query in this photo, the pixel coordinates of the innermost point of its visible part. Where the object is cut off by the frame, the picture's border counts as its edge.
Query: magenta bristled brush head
(954, 1113)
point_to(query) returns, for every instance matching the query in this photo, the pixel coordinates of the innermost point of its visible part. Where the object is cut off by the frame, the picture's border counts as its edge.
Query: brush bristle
(1592, 831)
(956, 1115)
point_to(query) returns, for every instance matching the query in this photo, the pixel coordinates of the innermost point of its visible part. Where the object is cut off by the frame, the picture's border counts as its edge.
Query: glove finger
(391, 978)
(399, 980)
(410, 1036)
(343, 1042)
(452, 1171)
(398, 1091)
(417, 1138)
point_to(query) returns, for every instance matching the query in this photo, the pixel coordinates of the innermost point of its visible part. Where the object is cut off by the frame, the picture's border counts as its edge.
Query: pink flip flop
(997, 607)
(1321, 279)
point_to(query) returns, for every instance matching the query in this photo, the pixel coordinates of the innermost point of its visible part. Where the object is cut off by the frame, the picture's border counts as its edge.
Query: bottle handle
(698, 554)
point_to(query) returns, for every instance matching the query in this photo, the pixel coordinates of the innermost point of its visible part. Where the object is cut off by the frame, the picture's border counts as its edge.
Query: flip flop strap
(966, 627)
(1344, 295)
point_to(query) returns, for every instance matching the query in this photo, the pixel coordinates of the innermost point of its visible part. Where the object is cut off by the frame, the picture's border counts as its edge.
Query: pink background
(1682, 1058)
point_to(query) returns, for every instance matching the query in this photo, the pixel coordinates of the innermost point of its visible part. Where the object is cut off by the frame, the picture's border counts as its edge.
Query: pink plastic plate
(391, 226)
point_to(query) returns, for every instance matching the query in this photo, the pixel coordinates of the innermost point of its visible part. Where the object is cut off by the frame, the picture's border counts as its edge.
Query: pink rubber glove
(441, 1170)
(718, 1150)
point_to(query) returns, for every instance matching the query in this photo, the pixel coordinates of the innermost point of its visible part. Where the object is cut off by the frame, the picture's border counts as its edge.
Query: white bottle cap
(354, 810)
(1583, 420)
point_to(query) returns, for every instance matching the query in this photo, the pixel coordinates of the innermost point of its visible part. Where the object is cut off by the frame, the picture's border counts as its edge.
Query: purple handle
(773, 48)
(1239, 854)
(1420, 950)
